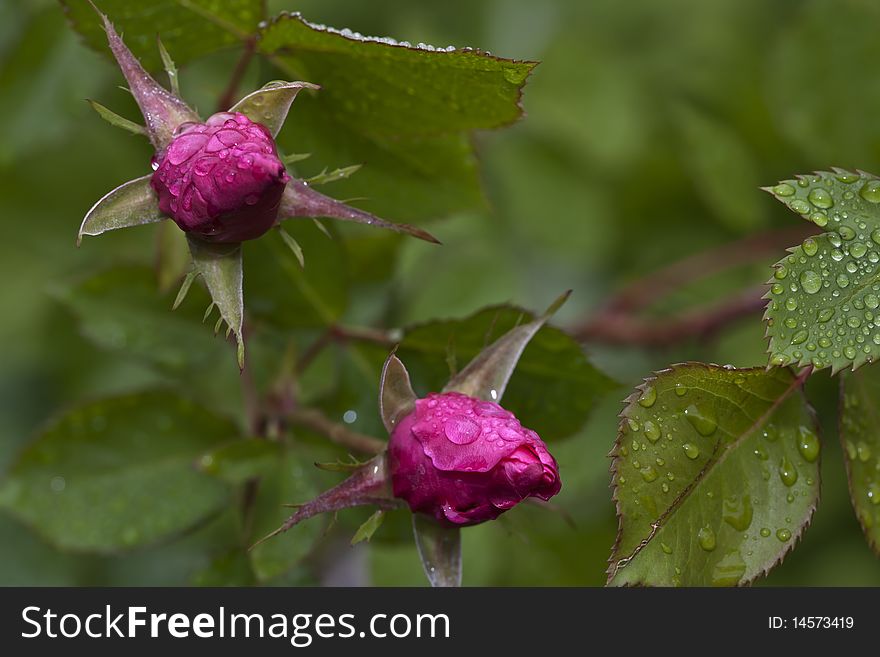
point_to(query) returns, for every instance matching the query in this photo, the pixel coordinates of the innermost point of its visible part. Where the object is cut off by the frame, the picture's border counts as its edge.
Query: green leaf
(188, 28)
(368, 528)
(172, 255)
(270, 104)
(219, 265)
(392, 89)
(715, 473)
(290, 481)
(860, 437)
(131, 204)
(439, 549)
(553, 388)
(241, 460)
(228, 569)
(486, 376)
(118, 473)
(282, 293)
(113, 118)
(824, 295)
(404, 110)
(120, 309)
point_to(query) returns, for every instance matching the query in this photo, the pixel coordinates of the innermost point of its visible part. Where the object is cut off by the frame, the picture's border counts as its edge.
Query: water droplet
(787, 472)
(691, 451)
(652, 431)
(811, 282)
(872, 301)
(870, 191)
(701, 419)
(760, 453)
(649, 474)
(847, 178)
(666, 549)
(819, 218)
(680, 390)
(783, 189)
(846, 233)
(783, 534)
(781, 272)
(810, 247)
(648, 397)
(799, 337)
(874, 493)
(824, 315)
(821, 198)
(857, 249)
(808, 444)
(863, 451)
(799, 206)
(633, 426)
(461, 430)
(791, 304)
(765, 532)
(737, 512)
(706, 538)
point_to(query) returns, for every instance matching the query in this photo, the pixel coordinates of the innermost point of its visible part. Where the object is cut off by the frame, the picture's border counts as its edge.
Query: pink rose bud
(465, 461)
(221, 180)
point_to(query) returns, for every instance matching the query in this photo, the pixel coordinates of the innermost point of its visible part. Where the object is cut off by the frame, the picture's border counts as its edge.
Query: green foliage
(860, 437)
(404, 110)
(553, 388)
(189, 28)
(118, 473)
(291, 481)
(121, 310)
(715, 474)
(824, 296)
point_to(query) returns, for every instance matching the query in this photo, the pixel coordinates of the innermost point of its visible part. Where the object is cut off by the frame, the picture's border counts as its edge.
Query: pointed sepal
(271, 104)
(396, 396)
(162, 110)
(131, 204)
(114, 119)
(368, 485)
(487, 375)
(439, 549)
(300, 200)
(219, 265)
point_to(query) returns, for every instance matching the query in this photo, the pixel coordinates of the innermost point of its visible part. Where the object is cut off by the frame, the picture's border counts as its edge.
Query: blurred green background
(649, 127)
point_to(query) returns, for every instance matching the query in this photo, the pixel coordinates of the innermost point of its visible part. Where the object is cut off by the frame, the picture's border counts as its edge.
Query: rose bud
(221, 180)
(464, 460)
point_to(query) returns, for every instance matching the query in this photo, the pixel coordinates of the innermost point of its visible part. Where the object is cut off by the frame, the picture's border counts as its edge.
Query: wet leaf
(113, 118)
(860, 438)
(405, 111)
(716, 475)
(111, 475)
(824, 296)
